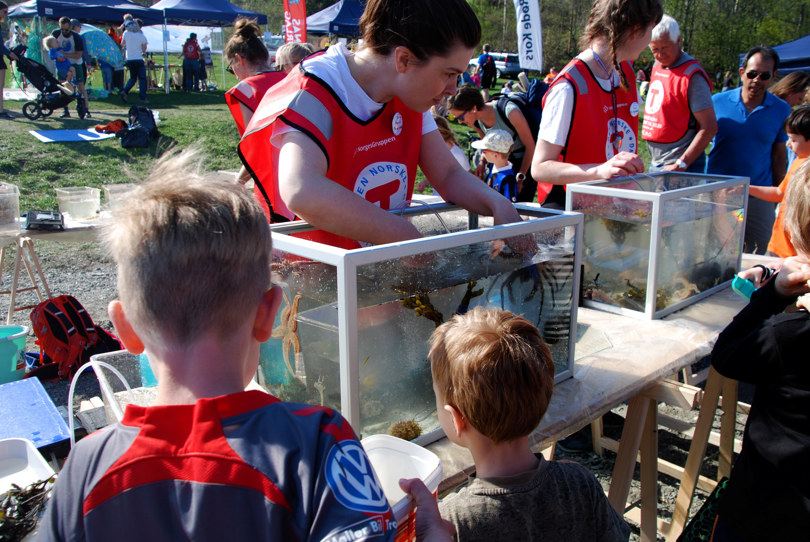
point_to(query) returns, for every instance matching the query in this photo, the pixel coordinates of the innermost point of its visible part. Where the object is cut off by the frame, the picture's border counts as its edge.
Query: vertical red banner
(295, 21)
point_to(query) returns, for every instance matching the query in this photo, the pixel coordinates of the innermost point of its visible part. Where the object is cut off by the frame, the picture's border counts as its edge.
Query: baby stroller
(52, 94)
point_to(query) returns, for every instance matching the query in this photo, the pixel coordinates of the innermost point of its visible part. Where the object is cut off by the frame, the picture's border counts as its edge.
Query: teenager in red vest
(337, 143)
(590, 114)
(679, 119)
(249, 60)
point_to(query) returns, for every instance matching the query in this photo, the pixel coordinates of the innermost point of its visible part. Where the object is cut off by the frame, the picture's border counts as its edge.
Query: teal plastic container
(12, 353)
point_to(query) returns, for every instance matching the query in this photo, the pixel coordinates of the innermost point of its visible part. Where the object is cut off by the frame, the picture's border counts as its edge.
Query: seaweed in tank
(617, 229)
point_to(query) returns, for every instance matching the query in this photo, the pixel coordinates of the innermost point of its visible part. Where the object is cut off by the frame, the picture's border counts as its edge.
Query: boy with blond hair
(768, 494)
(493, 377)
(209, 461)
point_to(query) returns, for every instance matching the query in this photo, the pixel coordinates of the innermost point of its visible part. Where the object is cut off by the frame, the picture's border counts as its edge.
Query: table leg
(649, 474)
(628, 451)
(728, 423)
(38, 266)
(16, 279)
(597, 434)
(697, 450)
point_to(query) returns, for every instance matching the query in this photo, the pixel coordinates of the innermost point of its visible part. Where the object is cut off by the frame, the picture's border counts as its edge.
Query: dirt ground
(86, 272)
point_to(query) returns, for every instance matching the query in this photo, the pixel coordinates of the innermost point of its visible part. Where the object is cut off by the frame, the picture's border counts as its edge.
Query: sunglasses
(753, 74)
(460, 118)
(229, 69)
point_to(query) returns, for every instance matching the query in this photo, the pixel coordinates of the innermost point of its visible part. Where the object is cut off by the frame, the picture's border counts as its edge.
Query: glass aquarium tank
(353, 328)
(653, 244)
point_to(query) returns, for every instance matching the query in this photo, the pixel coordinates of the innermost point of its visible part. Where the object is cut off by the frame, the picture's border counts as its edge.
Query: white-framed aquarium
(353, 329)
(655, 243)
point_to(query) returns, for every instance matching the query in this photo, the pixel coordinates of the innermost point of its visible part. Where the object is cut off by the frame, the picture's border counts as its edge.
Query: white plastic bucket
(392, 459)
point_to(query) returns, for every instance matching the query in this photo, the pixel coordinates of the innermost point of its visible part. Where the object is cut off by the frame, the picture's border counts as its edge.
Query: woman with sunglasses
(590, 114)
(249, 61)
(338, 142)
(469, 108)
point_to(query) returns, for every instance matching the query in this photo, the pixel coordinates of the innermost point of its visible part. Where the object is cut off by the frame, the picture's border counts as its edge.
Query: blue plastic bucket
(12, 353)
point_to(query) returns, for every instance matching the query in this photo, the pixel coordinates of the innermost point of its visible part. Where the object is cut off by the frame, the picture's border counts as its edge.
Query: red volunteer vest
(249, 92)
(376, 159)
(591, 135)
(666, 111)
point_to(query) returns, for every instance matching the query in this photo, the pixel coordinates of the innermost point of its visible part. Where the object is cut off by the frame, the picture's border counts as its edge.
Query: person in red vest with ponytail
(590, 113)
(249, 60)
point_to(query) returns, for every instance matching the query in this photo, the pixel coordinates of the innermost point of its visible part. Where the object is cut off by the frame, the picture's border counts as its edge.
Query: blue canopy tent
(87, 11)
(793, 55)
(204, 12)
(341, 19)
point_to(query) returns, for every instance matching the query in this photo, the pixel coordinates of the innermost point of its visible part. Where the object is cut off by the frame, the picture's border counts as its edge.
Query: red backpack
(67, 338)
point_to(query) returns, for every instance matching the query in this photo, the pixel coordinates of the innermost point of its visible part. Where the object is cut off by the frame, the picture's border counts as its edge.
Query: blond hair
(292, 53)
(494, 368)
(50, 43)
(797, 209)
(193, 253)
(446, 132)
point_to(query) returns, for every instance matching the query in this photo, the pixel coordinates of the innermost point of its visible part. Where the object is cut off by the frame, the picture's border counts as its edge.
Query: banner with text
(295, 21)
(529, 34)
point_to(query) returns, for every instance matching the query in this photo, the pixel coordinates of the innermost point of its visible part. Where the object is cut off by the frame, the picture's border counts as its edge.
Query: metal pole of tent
(165, 54)
(222, 45)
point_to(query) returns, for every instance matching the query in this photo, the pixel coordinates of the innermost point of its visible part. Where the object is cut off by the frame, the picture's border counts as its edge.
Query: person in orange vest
(679, 120)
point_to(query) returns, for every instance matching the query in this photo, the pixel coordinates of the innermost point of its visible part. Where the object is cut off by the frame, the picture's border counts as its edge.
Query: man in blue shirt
(751, 139)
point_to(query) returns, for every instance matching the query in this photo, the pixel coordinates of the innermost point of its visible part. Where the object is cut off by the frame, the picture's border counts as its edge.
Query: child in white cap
(497, 145)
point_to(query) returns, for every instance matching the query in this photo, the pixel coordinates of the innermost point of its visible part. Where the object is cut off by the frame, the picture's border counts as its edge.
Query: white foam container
(21, 464)
(393, 459)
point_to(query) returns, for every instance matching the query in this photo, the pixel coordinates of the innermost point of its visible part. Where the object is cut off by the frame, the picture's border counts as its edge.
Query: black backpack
(488, 69)
(142, 128)
(530, 104)
(143, 117)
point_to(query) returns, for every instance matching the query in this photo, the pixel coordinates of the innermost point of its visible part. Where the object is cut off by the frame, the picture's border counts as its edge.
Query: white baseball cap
(495, 140)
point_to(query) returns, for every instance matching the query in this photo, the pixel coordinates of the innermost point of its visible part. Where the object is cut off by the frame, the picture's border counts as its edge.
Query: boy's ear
(266, 314)
(123, 327)
(459, 423)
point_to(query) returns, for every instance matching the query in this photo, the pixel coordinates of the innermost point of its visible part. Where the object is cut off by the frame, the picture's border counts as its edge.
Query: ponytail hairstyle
(617, 21)
(427, 28)
(246, 42)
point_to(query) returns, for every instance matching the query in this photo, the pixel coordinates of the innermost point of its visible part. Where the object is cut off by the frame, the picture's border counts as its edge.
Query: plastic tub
(116, 194)
(79, 202)
(9, 209)
(12, 353)
(21, 464)
(392, 459)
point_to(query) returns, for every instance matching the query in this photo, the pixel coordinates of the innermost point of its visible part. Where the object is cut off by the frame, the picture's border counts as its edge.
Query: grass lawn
(186, 118)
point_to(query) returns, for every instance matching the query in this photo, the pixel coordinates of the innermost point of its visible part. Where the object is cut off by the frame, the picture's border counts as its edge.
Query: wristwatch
(520, 176)
(681, 164)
